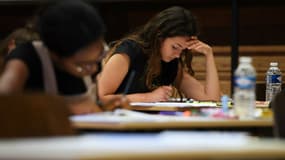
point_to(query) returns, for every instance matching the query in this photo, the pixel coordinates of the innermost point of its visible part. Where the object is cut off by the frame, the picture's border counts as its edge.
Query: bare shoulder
(14, 76)
(119, 59)
(16, 66)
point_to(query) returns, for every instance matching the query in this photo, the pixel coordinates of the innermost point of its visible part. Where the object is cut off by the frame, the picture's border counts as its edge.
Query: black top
(67, 84)
(138, 63)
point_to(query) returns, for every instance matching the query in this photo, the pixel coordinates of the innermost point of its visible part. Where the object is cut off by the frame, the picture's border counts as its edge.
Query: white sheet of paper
(173, 104)
(123, 115)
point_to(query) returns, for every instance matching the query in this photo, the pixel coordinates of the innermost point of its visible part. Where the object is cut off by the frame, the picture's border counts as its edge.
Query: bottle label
(245, 82)
(274, 78)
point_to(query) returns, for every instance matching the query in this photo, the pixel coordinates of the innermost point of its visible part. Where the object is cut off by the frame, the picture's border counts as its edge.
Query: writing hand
(160, 94)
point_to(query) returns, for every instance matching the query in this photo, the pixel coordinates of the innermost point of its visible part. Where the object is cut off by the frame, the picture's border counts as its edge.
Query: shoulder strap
(50, 84)
(91, 88)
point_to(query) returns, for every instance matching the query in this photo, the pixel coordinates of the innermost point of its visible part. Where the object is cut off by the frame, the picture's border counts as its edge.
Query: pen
(129, 82)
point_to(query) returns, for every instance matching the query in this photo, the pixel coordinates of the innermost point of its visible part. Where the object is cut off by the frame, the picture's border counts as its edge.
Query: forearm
(212, 86)
(137, 97)
(82, 104)
(83, 107)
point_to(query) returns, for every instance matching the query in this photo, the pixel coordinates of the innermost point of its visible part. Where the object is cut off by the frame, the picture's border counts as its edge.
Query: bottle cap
(273, 64)
(245, 59)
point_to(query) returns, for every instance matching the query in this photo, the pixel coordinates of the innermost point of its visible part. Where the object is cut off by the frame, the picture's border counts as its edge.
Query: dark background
(261, 21)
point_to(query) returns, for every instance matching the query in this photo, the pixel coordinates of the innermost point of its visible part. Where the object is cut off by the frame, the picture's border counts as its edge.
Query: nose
(177, 54)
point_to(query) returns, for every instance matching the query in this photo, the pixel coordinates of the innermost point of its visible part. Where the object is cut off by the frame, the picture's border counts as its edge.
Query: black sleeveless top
(67, 83)
(138, 63)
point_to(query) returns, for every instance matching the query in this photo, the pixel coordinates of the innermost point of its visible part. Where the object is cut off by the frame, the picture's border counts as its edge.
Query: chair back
(278, 107)
(34, 115)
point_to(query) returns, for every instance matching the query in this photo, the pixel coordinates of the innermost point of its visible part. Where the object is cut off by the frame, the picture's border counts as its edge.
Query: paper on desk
(204, 139)
(108, 118)
(174, 104)
(123, 115)
(119, 115)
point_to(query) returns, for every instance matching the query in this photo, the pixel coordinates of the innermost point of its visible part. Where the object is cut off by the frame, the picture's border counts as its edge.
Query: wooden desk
(189, 123)
(165, 145)
(111, 122)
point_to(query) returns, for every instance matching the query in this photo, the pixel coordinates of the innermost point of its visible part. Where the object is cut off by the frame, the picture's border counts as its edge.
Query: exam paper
(174, 104)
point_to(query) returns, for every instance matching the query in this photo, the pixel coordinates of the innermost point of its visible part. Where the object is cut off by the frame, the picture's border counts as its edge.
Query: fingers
(199, 47)
(118, 102)
(165, 94)
(193, 44)
(167, 90)
(124, 102)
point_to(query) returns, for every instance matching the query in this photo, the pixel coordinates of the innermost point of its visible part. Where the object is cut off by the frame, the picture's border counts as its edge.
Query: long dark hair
(171, 22)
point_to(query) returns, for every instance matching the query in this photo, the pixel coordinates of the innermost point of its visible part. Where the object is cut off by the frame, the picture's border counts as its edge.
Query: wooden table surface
(142, 121)
(164, 145)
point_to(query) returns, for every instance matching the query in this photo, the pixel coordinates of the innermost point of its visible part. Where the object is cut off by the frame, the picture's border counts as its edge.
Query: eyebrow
(179, 45)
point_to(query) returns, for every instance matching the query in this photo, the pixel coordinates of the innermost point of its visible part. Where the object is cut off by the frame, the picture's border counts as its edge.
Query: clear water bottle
(273, 81)
(244, 89)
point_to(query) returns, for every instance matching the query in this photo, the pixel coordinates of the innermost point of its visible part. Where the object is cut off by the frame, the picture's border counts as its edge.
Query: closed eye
(175, 47)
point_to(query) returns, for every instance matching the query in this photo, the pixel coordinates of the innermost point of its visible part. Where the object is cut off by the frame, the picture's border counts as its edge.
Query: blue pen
(224, 101)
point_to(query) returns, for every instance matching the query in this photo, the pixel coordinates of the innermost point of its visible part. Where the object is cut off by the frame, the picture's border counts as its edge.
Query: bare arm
(113, 75)
(13, 77)
(13, 80)
(192, 87)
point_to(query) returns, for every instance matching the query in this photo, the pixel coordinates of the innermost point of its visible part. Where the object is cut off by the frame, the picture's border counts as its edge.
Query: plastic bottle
(244, 89)
(273, 81)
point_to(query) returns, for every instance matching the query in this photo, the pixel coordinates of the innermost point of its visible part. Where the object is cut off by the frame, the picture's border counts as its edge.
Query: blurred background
(261, 27)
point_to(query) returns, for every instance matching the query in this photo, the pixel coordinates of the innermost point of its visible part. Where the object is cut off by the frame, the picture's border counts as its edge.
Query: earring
(79, 69)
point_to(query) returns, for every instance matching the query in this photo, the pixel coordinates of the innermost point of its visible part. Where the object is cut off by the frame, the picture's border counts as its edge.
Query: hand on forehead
(192, 40)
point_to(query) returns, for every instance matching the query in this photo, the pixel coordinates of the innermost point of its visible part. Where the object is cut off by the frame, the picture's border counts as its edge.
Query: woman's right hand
(161, 93)
(119, 101)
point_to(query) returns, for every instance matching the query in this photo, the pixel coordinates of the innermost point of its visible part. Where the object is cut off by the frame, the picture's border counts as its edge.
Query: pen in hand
(124, 102)
(112, 104)
(129, 82)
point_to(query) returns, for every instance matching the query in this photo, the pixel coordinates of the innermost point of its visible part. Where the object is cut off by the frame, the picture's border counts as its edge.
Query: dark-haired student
(160, 53)
(67, 59)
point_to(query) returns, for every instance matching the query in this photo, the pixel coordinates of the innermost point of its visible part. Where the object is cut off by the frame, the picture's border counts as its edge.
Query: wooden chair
(33, 115)
(278, 106)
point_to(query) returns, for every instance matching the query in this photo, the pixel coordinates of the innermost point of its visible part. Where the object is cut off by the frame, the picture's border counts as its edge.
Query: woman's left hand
(198, 46)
